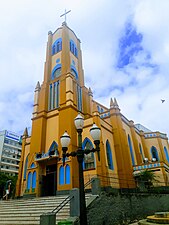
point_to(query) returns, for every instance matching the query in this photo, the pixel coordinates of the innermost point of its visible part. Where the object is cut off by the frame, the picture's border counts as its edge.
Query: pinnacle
(25, 132)
(37, 86)
(115, 103)
(111, 103)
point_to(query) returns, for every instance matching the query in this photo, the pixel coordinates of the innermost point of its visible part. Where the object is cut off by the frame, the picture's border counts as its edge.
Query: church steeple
(63, 55)
(63, 76)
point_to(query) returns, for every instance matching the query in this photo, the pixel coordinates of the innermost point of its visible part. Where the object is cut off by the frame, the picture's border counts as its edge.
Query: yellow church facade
(125, 148)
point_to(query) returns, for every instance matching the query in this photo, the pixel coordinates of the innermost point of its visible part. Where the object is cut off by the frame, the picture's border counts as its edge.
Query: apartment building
(10, 152)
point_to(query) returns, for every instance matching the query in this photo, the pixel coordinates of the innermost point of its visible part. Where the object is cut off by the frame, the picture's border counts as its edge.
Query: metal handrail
(62, 204)
(68, 199)
(87, 183)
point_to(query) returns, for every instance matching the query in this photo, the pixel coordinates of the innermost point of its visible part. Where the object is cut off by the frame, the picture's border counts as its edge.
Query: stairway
(28, 211)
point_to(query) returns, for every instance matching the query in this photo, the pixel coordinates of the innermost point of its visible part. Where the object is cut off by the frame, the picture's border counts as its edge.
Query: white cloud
(99, 25)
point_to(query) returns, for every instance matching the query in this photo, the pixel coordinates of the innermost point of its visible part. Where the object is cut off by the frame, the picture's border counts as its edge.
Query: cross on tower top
(64, 14)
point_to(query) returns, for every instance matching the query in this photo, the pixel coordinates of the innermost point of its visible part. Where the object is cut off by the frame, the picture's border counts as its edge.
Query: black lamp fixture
(65, 140)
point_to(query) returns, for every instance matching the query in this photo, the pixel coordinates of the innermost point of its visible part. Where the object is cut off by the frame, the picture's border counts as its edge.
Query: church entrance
(49, 182)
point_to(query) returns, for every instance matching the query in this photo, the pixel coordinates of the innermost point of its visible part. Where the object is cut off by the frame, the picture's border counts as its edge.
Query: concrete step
(28, 211)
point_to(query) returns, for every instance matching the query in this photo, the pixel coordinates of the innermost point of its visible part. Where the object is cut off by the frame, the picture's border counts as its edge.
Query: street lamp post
(65, 140)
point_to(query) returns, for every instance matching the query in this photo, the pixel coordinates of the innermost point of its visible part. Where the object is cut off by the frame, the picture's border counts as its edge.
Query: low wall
(109, 209)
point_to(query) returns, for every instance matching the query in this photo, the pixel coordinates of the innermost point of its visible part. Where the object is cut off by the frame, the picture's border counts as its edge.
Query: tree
(3, 179)
(146, 178)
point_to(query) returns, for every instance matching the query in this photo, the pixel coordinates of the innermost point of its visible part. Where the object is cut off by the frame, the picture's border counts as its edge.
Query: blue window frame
(141, 151)
(53, 49)
(154, 153)
(53, 150)
(57, 46)
(73, 48)
(74, 71)
(61, 175)
(29, 180)
(75, 51)
(50, 96)
(34, 180)
(79, 98)
(109, 156)
(67, 174)
(25, 168)
(57, 94)
(32, 165)
(54, 90)
(166, 154)
(131, 150)
(56, 72)
(89, 160)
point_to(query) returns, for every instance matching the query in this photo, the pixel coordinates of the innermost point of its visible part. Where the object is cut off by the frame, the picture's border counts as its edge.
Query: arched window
(25, 168)
(88, 159)
(57, 46)
(53, 49)
(34, 180)
(166, 154)
(57, 73)
(67, 174)
(29, 180)
(53, 150)
(109, 156)
(74, 71)
(131, 150)
(79, 98)
(61, 175)
(50, 96)
(73, 48)
(75, 51)
(154, 153)
(141, 151)
(54, 90)
(32, 165)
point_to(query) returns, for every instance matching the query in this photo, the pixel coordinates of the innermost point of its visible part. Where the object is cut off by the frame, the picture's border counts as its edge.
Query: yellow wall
(52, 128)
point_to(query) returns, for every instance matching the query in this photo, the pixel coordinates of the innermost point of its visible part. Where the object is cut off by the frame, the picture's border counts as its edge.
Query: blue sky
(125, 49)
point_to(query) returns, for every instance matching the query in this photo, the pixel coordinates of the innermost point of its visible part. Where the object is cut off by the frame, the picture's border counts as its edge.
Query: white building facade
(10, 152)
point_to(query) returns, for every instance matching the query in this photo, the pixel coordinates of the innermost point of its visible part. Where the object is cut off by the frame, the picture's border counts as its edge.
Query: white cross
(64, 14)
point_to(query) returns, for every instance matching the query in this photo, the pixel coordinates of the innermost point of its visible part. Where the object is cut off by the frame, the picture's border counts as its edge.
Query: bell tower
(63, 74)
(60, 97)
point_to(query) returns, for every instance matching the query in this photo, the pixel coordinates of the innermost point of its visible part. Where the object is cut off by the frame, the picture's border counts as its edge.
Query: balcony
(46, 156)
(150, 166)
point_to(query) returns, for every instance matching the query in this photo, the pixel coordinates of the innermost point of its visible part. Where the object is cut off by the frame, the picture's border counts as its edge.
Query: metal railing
(89, 182)
(62, 204)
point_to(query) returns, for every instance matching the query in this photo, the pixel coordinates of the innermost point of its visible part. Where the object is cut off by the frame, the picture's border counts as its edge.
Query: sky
(125, 50)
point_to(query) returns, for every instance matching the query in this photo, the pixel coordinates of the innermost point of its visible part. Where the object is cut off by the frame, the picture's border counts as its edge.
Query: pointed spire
(25, 134)
(111, 103)
(115, 103)
(37, 86)
(90, 92)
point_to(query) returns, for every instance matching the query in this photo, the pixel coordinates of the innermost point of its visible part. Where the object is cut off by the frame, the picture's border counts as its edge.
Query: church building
(125, 148)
